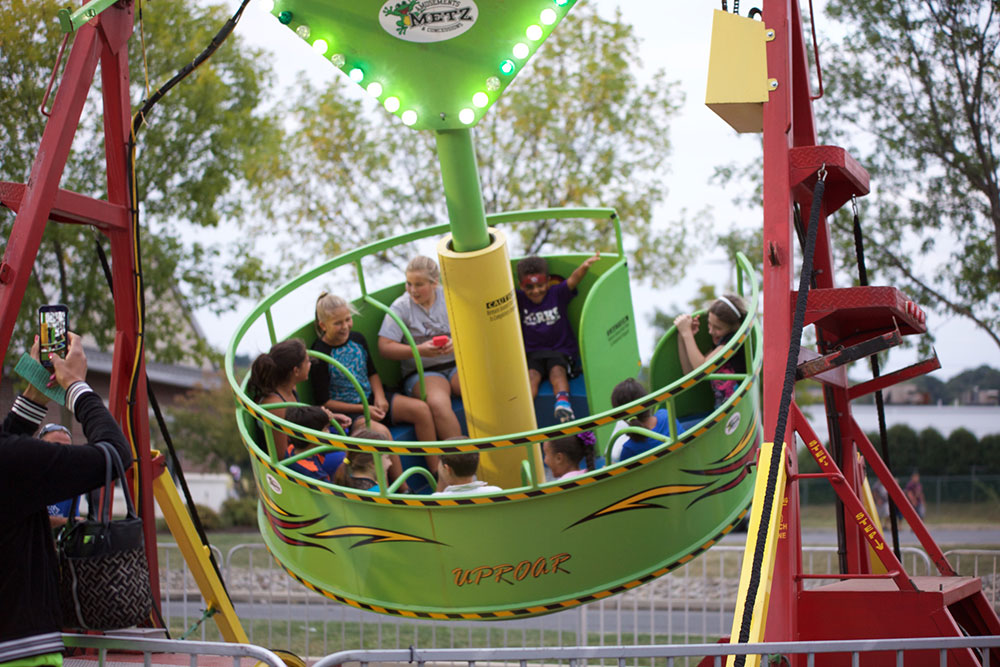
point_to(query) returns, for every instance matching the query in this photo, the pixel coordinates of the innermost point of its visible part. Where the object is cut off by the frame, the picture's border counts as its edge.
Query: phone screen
(53, 323)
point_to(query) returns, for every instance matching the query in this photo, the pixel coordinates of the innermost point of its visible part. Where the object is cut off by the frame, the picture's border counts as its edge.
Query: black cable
(795, 343)
(883, 433)
(830, 407)
(138, 121)
(164, 431)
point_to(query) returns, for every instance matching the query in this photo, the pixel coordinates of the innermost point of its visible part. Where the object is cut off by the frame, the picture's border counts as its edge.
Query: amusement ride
(439, 66)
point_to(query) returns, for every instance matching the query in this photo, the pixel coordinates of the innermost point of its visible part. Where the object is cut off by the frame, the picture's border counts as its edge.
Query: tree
(205, 145)
(202, 426)
(575, 129)
(914, 86)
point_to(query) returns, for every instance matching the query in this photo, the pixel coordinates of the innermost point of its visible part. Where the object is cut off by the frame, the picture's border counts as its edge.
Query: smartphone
(53, 325)
(439, 341)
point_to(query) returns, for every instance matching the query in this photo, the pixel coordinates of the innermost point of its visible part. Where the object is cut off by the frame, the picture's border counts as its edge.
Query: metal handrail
(149, 646)
(623, 653)
(418, 447)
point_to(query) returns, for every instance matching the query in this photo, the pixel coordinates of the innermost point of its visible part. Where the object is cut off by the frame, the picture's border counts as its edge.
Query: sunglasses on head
(49, 428)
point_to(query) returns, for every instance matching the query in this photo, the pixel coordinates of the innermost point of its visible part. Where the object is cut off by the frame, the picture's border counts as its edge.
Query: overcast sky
(675, 36)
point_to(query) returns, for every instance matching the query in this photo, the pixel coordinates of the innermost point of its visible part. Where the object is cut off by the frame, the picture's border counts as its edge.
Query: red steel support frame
(791, 160)
(104, 41)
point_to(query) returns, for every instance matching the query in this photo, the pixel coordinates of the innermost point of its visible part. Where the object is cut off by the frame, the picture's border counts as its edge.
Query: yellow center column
(489, 353)
(486, 331)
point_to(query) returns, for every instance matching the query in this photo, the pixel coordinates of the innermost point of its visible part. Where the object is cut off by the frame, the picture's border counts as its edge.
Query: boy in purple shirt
(548, 339)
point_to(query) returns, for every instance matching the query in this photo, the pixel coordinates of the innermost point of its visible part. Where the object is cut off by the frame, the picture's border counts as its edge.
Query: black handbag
(103, 573)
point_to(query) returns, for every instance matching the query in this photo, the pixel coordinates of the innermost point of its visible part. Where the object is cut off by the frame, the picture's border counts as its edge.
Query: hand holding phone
(53, 327)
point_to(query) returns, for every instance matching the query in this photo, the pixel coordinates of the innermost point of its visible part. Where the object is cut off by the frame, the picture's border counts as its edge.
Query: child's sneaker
(564, 412)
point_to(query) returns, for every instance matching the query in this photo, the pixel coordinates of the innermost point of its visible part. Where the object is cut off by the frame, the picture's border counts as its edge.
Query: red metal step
(875, 608)
(845, 176)
(845, 313)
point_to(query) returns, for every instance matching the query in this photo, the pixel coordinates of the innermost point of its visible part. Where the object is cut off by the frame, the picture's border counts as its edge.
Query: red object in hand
(439, 341)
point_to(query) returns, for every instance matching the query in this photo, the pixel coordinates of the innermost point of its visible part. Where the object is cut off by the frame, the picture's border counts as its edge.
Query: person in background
(549, 343)
(563, 455)
(914, 491)
(458, 475)
(33, 475)
(64, 510)
(725, 316)
(422, 309)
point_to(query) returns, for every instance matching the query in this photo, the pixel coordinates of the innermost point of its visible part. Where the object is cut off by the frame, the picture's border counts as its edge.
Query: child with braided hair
(563, 455)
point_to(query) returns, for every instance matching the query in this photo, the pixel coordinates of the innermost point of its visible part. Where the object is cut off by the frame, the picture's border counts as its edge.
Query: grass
(954, 515)
(322, 638)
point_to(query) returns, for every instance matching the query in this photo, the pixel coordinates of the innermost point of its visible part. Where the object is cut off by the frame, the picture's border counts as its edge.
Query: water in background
(979, 419)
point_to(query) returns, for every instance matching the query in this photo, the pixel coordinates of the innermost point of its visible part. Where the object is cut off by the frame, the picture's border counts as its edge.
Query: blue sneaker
(564, 412)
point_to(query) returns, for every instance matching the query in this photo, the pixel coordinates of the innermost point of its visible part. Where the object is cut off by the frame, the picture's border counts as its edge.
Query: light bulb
(467, 116)
(409, 117)
(320, 46)
(480, 99)
(374, 89)
(357, 76)
(520, 51)
(492, 83)
(507, 67)
(534, 33)
(337, 59)
(548, 16)
(302, 31)
(391, 104)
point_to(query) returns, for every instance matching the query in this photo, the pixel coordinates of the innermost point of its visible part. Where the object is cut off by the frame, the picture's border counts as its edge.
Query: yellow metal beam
(197, 557)
(758, 523)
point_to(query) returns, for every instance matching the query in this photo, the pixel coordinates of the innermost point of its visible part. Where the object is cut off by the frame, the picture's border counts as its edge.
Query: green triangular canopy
(435, 64)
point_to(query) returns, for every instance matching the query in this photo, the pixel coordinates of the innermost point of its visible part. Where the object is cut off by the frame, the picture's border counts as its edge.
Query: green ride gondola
(541, 546)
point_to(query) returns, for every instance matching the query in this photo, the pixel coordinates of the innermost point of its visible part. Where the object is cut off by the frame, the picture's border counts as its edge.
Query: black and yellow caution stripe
(521, 611)
(748, 436)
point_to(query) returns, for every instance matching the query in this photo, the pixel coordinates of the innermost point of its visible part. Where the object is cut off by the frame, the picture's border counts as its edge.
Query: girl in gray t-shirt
(422, 309)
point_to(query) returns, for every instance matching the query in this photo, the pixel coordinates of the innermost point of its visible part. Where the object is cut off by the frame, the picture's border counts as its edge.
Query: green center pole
(462, 190)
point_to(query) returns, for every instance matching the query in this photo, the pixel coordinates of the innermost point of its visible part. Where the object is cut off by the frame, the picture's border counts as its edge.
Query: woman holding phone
(33, 475)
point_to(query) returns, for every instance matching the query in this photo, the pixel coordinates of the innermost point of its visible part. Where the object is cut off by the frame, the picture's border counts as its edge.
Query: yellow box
(737, 71)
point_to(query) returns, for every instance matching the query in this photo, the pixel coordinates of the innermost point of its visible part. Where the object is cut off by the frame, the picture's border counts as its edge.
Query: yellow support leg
(196, 555)
(758, 523)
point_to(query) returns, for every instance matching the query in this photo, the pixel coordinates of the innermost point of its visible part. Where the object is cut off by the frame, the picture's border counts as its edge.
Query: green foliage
(575, 129)
(204, 426)
(239, 511)
(911, 91)
(204, 148)
(209, 518)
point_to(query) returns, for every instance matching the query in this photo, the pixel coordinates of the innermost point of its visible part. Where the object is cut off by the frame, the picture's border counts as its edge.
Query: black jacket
(34, 474)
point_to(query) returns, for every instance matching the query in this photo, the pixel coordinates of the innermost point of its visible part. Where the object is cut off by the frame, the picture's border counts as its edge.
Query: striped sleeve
(75, 391)
(28, 410)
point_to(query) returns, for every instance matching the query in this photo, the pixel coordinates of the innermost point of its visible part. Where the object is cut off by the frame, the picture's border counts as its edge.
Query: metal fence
(924, 651)
(243, 655)
(692, 604)
(982, 563)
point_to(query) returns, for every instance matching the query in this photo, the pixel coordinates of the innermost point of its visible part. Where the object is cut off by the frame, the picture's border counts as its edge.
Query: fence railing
(194, 649)
(692, 604)
(851, 650)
